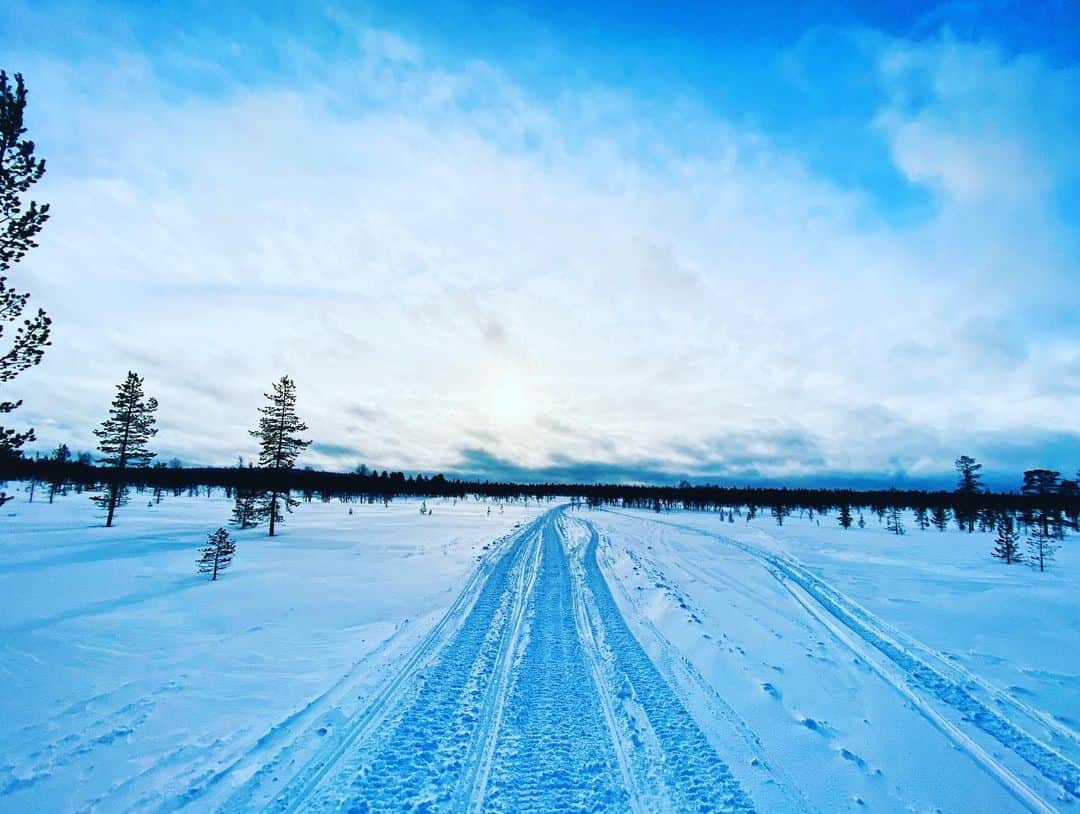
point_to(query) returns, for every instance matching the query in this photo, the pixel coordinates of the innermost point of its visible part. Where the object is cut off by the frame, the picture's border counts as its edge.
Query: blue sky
(793, 242)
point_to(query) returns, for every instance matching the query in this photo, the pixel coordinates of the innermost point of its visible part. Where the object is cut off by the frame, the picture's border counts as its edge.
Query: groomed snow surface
(537, 658)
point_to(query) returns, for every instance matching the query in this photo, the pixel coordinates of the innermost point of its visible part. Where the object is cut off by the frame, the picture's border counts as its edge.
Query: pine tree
(779, 512)
(968, 484)
(894, 523)
(245, 509)
(217, 555)
(921, 518)
(280, 443)
(1007, 544)
(1043, 485)
(939, 516)
(124, 437)
(1041, 547)
(845, 516)
(19, 226)
(62, 455)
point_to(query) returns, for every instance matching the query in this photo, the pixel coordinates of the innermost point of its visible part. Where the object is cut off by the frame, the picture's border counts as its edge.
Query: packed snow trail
(696, 778)
(554, 752)
(512, 714)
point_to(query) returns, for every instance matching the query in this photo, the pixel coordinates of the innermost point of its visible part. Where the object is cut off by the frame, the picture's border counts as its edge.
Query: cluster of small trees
(126, 433)
(124, 443)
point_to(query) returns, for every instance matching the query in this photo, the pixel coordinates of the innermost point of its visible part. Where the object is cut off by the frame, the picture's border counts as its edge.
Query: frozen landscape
(534, 658)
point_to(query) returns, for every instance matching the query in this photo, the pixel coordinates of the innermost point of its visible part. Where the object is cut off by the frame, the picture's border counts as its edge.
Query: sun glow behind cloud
(449, 259)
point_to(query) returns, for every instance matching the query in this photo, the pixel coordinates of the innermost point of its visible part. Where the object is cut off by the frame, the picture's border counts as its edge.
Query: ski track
(915, 676)
(539, 700)
(341, 735)
(414, 761)
(695, 776)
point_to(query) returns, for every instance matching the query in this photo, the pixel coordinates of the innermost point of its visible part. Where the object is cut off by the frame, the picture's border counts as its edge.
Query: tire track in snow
(915, 675)
(417, 755)
(554, 751)
(693, 776)
(354, 733)
(471, 786)
(509, 709)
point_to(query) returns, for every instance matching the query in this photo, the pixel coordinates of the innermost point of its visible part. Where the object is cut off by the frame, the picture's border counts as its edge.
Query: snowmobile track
(530, 695)
(917, 679)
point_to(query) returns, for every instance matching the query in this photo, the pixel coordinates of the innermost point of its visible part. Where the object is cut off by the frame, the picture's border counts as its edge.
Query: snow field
(848, 708)
(536, 659)
(136, 685)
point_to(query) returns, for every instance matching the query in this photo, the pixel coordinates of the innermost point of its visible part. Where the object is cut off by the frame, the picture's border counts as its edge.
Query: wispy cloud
(507, 274)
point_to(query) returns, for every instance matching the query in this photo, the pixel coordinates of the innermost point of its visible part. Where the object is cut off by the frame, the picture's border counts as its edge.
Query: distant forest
(1043, 494)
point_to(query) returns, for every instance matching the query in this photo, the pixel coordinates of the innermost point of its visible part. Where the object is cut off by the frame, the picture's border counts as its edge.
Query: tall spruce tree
(217, 555)
(19, 226)
(1007, 544)
(968, 485)
(124, 437)
(280, 444)
(1042, 485)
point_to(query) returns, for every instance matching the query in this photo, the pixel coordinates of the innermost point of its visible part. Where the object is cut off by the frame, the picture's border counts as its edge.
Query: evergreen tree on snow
(921, 518)
(19, 225)
(968, 484)
(845, 516)
(1007, 544)
(124, 437)
(1043, 484)
(245, 512)
(1041, 547)
(62, 456)
(939, 516)
(894, 523)
(217, 555)
(280, 443)
(1070, 490)
(779, 512)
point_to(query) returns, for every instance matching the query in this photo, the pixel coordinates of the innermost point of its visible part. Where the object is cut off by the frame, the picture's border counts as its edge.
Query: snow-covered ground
(865, 669)
(534, 659)
(132, 683)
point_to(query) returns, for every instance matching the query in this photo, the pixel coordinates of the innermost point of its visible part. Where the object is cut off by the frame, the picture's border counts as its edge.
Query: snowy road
(533, 696)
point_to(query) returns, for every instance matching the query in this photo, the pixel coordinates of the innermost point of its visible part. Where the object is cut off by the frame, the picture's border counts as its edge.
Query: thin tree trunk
(273, 511)
(114, 491)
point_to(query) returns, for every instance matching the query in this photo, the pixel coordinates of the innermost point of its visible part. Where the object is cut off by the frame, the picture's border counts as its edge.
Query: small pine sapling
(1007, 544)
(845, 516)
(894, 523)
(1041, 547)
(217, 555)
(245, 509)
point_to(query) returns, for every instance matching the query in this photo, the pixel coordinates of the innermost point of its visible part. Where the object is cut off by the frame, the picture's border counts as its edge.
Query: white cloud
(547, 280)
